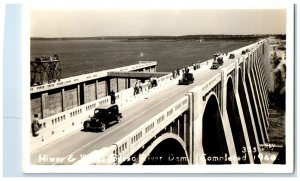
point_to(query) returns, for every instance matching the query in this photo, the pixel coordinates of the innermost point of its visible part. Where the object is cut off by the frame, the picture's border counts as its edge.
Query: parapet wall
(51, 99)
(60, 124)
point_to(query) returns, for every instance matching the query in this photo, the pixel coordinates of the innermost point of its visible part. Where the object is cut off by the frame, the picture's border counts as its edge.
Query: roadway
(69, 148)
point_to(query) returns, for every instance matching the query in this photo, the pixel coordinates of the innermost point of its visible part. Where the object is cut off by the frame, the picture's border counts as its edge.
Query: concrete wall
(101, 89)
(60, 99)
(70, 97)
(89, 92)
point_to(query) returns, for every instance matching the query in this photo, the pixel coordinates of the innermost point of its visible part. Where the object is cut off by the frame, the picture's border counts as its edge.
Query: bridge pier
(254, 107)
(249, 119)
(259, 101)
(244, 127)
(194, 127)
(250, 82)
(263, 80)
(260, 92)
(233, 107)
(262, 85)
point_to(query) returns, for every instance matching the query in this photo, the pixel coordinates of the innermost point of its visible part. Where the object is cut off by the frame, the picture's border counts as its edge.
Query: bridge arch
(213, 136)
(229, 78)
(167, 149)
(235, 123)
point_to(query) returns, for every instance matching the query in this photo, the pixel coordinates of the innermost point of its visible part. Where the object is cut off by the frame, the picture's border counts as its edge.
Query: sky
(159, 22)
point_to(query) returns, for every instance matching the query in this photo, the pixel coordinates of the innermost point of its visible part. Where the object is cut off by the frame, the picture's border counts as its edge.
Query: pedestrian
(154, 81)
(140, 87)
(112, 97)
(35, 125)
(174, 74)
(136, 88)
(149, 85)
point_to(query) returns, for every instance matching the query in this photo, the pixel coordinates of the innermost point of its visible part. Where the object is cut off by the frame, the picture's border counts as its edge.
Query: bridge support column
(235, 103)
(252, 91)
(107, 86)
(263, 87)
(244, 70)
(265, 90)
(127, 82)
(78, 95)
(178, 127)
(250, 123)
(170, 128)
(225, 118)
(236, 78)
(96, 89)
(261, 79)
(258, 96)
(194, 128)
(63, 99)
(255, 113)
(117, 86)
(83, 93)
(244, 127)
(186, 130)
(261, 95)
(44, 99)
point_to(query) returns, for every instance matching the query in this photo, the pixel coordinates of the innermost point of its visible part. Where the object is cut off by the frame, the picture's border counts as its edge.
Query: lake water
(85, 56)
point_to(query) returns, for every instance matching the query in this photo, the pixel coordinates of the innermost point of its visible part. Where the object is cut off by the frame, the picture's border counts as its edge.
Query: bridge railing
(60, 124)
(121, 150)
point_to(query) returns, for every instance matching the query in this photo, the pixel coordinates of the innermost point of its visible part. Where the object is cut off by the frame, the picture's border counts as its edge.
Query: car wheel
(86, 125)
(103, 127)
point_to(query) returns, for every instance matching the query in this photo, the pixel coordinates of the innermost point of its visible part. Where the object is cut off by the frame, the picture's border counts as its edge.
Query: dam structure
(221, 118)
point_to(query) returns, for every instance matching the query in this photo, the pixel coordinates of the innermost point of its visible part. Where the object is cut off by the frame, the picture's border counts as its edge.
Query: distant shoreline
(164, 38)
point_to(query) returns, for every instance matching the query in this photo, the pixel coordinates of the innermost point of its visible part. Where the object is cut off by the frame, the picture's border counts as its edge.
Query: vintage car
(103, 115)
(220, 60)
(231, 56)
(187, 78)
(215, 65)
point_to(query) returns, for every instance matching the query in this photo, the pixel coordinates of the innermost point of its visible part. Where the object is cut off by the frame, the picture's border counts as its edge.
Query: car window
(99, 111)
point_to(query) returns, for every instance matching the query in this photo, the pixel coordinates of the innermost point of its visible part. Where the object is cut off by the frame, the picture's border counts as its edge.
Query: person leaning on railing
(35, 125)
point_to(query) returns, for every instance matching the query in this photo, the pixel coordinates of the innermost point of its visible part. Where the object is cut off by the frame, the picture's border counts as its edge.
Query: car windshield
(100, 111)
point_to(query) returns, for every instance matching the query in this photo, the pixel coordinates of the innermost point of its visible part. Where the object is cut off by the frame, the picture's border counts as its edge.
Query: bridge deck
(80, 143)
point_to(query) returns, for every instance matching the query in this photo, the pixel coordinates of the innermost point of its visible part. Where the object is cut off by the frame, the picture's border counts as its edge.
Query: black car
(215, 65)
(220, 60)
(187, 78)
(103, 115)
(231, 56)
